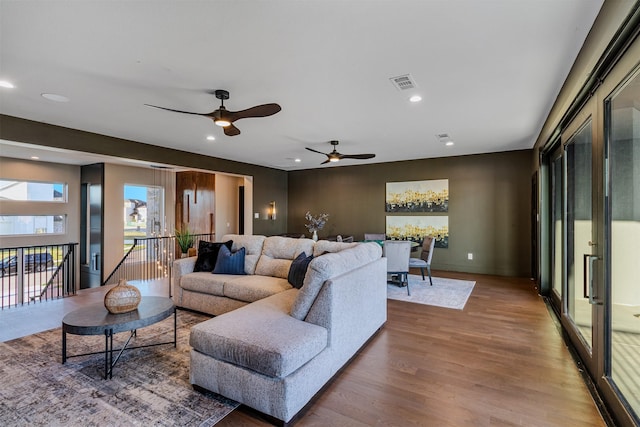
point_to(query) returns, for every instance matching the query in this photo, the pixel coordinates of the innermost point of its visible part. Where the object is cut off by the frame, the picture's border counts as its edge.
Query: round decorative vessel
(123, 298)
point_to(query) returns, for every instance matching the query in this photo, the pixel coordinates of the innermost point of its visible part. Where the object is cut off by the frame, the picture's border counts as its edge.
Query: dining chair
(425, 257)
(397, 253)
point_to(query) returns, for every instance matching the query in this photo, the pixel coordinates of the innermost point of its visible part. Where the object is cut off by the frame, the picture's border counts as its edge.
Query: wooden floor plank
(499, 362)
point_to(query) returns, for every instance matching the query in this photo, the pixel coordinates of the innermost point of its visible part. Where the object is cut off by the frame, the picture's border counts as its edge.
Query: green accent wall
(489, 206)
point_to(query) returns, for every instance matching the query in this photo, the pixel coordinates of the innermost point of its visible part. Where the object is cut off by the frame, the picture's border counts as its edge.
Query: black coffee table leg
(64, 346)
(108, 353)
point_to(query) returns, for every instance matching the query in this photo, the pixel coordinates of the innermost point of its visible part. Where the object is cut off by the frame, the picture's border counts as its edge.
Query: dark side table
(96, 320)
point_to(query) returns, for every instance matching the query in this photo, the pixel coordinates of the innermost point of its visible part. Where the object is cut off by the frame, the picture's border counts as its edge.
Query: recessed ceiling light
(297, 160)
(449, 143)
(415, 98)
(211, 138)
(6, 84)
(35, 157)
(55, 97)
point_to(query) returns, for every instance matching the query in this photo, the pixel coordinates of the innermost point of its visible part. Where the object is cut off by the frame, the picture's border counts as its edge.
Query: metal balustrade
(150, 258)
(35, 273)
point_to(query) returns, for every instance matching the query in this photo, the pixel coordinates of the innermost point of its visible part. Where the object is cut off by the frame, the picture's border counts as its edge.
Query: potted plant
(185, 239)
(315, 223)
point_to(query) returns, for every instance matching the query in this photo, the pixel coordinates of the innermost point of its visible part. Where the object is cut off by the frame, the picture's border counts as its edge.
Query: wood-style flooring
(499, 362)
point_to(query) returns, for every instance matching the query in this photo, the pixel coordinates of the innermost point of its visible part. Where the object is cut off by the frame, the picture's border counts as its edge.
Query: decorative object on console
(184, 238)
(122, 298)
(315, 223)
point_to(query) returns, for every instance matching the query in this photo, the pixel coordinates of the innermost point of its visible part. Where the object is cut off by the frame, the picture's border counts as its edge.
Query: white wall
(226, 205)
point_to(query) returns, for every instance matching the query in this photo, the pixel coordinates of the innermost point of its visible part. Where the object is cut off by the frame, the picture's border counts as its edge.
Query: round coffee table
(94, 319)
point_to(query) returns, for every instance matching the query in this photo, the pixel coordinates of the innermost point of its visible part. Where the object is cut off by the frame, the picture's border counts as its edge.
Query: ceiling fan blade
(357, 156)
(178, 111)
(231, 130)
(257, 111)
(325, 162)
(316, 151)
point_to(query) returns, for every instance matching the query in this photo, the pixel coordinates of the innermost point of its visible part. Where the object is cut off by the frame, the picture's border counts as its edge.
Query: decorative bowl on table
(122, 298)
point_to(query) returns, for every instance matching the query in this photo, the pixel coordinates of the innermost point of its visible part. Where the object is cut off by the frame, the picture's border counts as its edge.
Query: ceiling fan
(225, 118)
(334, 156)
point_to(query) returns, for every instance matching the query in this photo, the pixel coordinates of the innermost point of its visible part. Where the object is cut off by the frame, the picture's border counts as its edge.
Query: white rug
(448, 293)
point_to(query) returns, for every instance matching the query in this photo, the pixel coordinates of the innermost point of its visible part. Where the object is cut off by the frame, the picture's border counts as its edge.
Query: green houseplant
(185, 239)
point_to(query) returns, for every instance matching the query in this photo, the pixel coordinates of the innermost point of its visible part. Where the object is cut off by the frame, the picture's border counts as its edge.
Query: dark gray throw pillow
(298, 270)
(230, 263)
(208, 254)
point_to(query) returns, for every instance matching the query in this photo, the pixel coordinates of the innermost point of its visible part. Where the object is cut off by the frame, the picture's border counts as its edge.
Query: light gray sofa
(277, 352)
(267, 263)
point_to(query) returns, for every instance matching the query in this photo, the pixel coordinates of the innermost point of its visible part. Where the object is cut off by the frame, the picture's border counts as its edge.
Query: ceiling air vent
(403, 82)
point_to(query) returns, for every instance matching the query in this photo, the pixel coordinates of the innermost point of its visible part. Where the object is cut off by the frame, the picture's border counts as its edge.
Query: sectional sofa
(274, 347)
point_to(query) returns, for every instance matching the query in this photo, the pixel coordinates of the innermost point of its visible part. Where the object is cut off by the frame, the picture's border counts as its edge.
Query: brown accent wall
(489, 206)
(195, 201)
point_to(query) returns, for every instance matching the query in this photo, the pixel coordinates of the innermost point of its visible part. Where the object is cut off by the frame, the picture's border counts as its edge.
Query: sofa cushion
(324, 246)
(204, 282)
(328, 266)
(251, 288)
(208, 254)
(230, 263)
(253, 247)
(298, 270)
(277, 254)
(261, 337)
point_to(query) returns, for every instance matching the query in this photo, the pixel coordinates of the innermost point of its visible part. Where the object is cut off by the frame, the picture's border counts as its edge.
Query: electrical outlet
(256, 215)
(470, 256)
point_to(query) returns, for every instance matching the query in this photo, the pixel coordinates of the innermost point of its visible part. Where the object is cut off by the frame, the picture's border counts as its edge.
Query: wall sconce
(272, 210)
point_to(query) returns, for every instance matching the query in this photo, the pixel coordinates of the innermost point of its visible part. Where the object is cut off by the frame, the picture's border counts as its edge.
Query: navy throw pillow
(298, 270)
(228, 262)
(208, 254)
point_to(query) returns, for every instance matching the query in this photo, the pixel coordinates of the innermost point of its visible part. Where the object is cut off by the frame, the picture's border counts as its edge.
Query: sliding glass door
(622, 117)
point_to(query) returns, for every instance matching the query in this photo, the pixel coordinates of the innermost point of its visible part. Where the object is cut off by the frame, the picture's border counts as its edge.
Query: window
(32, 191)
(143, 212)
(27, 225)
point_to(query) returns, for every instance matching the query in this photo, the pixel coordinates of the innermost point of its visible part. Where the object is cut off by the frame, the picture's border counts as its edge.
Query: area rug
(448, 293)
(150, 386)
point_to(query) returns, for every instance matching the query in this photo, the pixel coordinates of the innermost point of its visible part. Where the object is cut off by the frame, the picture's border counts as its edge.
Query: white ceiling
(488, 71)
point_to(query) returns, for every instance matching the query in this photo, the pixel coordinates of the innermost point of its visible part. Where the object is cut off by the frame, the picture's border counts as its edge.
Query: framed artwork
(417, 196)
(416, 227)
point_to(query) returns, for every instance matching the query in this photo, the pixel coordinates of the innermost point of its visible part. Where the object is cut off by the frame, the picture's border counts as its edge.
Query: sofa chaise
(276, 346)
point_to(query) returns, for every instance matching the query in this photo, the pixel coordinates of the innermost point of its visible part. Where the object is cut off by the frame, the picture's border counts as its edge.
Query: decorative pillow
(298, 270)
(208, 254)
(230, 263)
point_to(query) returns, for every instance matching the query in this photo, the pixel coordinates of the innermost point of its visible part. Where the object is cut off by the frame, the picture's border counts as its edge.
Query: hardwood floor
(499, 362)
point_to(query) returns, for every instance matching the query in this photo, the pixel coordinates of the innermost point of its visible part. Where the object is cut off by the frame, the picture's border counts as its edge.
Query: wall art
(414, 228)
(417, 196)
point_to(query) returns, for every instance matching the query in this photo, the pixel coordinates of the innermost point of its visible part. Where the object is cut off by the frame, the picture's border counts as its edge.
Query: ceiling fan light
(334, 159)
(222, 122)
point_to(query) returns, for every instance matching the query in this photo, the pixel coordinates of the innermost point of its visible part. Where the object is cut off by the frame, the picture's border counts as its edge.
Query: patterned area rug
(150, 386)
(448, 293)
